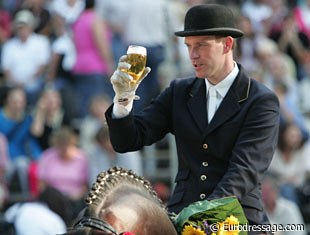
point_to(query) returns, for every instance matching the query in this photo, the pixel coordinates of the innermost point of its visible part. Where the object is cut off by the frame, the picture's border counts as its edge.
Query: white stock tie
(212, 101)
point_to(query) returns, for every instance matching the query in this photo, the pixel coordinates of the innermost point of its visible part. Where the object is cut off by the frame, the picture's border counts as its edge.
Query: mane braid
(108, 180)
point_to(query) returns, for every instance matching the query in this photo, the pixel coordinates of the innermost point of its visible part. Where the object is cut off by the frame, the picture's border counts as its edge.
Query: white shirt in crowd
(34, 218)
(23, 59)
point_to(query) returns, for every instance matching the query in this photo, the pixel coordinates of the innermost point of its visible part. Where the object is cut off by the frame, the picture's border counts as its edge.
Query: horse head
(121, 202)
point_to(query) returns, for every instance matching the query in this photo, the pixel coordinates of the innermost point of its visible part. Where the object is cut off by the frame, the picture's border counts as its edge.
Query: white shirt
(64, 9)
(64, 45)
(222, 87)
(23, 59)
(287, 212)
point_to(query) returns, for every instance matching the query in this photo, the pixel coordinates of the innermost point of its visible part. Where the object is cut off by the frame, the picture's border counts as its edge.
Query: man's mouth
(197, 66)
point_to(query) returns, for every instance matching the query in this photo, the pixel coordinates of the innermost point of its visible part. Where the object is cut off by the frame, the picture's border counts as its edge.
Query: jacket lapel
(197, 103)
(230, 105)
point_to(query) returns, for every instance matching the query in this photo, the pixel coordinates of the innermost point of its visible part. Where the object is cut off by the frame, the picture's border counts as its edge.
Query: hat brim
(235, 33)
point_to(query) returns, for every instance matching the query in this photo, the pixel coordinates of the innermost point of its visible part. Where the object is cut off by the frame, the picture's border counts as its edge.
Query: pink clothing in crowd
(4, 158)
(68, 176)
(88, 59)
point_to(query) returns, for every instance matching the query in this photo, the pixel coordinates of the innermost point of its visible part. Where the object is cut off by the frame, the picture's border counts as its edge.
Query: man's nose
(193, 54)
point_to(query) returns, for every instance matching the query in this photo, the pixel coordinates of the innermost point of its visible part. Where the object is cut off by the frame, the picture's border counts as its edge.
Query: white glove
(124, 88)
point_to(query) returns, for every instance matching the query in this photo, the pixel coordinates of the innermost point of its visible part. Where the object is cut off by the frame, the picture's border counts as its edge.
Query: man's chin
(199, 75)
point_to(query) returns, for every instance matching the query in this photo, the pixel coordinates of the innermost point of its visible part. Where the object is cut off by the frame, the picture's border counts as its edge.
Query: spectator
(278, 71)
(4, 156)
(303, 91)
(266, 49)
(289, 108)
(114, 13)
(59, 72)
(63, 54)
(104, 156)
(4, 161)
(94, 59)
(11, 6)
(48, 116)
(15, 124)
(301, 12)
(292, 41)
(38, 217)
(290, 161)
(25, 56)
(180, 57)
(64, 167)
(259, 13)
(68, 9)
(280, 210)
(5, 29)
(93, 121)
(280, 10)
(246, 47)
(42, 15)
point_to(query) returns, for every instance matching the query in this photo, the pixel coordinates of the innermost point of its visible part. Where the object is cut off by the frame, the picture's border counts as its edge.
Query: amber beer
(136, 57)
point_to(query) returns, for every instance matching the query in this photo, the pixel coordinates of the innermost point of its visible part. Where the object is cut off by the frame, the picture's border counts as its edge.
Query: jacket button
(202, 196)
(205, 146)
(203, 177)
(205, 163)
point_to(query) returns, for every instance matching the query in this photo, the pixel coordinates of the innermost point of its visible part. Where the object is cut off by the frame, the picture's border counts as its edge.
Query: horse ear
(84, 212)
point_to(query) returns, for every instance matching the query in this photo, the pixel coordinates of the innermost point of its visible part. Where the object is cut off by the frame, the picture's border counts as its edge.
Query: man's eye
(202, 44)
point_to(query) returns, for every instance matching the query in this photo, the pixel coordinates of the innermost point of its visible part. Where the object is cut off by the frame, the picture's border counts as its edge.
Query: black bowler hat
(209, 19)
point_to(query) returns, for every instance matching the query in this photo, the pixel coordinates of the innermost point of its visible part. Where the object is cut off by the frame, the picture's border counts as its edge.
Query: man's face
(207, 54)
(16, 101)
(23, 31)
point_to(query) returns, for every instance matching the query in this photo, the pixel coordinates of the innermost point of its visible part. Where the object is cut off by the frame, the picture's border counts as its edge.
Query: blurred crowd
(56, 59)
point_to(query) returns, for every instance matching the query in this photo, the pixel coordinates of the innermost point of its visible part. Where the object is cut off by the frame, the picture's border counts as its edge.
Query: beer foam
(134, 49)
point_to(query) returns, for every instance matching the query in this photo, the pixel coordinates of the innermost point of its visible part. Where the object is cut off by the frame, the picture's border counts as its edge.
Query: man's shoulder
(260, 88)
(184, 81)
(12, 42)
(185, 84)
(253, 83)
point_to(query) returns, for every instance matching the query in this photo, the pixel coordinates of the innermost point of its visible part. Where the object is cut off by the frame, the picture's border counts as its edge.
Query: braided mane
(117, 180)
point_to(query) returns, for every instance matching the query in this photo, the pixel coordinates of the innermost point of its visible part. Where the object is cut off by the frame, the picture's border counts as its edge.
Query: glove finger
(146, 71)
(123, 58)
(123, 66)
(121, 77)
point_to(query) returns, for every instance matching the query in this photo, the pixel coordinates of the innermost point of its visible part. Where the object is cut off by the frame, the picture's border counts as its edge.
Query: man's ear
(228, 44)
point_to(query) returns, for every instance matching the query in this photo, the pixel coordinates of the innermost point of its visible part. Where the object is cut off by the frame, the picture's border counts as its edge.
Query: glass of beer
(136, 57)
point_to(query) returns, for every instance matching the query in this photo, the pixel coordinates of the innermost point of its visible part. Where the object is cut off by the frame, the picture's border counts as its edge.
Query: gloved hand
(122, 82)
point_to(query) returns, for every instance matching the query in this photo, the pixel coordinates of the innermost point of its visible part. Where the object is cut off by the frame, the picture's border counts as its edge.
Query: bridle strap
(95, 223)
